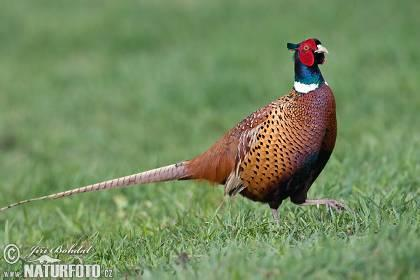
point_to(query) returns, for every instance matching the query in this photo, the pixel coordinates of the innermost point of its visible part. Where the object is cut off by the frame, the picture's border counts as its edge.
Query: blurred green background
(91, 90)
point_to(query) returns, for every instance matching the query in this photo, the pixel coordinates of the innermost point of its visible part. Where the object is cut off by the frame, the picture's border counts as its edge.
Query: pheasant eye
(306, 48)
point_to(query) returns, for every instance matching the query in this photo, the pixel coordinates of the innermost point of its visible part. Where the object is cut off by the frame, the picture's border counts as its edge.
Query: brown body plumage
(275, 153)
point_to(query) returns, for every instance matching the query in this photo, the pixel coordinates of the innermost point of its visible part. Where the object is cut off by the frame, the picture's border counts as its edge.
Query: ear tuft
(292, 46)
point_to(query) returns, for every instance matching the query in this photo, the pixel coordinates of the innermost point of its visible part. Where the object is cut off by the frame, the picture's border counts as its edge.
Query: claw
(336, 205)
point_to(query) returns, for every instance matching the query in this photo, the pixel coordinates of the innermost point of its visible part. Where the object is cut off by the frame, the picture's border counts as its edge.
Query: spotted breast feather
(283, 154)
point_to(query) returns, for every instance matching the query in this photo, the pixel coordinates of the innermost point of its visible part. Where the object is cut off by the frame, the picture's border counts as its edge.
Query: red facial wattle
(306, 52)
(307, 58)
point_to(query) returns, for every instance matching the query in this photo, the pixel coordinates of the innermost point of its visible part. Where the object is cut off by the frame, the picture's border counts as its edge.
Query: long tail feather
(166, 173)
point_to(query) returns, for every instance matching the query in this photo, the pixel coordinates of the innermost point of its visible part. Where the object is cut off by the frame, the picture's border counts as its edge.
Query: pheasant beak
(321, 49)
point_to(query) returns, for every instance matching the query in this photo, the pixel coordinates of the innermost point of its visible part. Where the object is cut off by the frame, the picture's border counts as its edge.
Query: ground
(94, 90)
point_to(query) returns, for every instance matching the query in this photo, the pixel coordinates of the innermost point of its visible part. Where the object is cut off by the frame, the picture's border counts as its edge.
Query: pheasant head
(308, 55)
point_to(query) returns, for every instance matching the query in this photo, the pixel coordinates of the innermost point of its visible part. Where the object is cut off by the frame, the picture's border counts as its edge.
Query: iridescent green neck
(307, 78)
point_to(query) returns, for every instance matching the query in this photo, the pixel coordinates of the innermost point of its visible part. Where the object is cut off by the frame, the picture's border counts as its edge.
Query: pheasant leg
(275, 213)
(327, 202)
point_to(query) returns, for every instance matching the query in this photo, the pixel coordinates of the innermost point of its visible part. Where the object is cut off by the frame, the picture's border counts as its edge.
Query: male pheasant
(275, 153)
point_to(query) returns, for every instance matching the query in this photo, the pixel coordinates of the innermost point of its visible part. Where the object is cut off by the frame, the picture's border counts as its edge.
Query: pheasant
(275, 153)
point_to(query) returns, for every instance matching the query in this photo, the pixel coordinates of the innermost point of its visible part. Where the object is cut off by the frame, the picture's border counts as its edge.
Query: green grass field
(91, 90)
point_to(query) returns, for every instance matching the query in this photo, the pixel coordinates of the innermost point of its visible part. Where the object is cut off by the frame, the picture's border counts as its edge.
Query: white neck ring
(304, 88)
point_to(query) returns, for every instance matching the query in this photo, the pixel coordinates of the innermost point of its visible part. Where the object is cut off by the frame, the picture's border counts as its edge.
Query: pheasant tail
(166, 173)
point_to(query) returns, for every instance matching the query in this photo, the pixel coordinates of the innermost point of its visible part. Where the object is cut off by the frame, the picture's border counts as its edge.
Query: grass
(99, 89)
